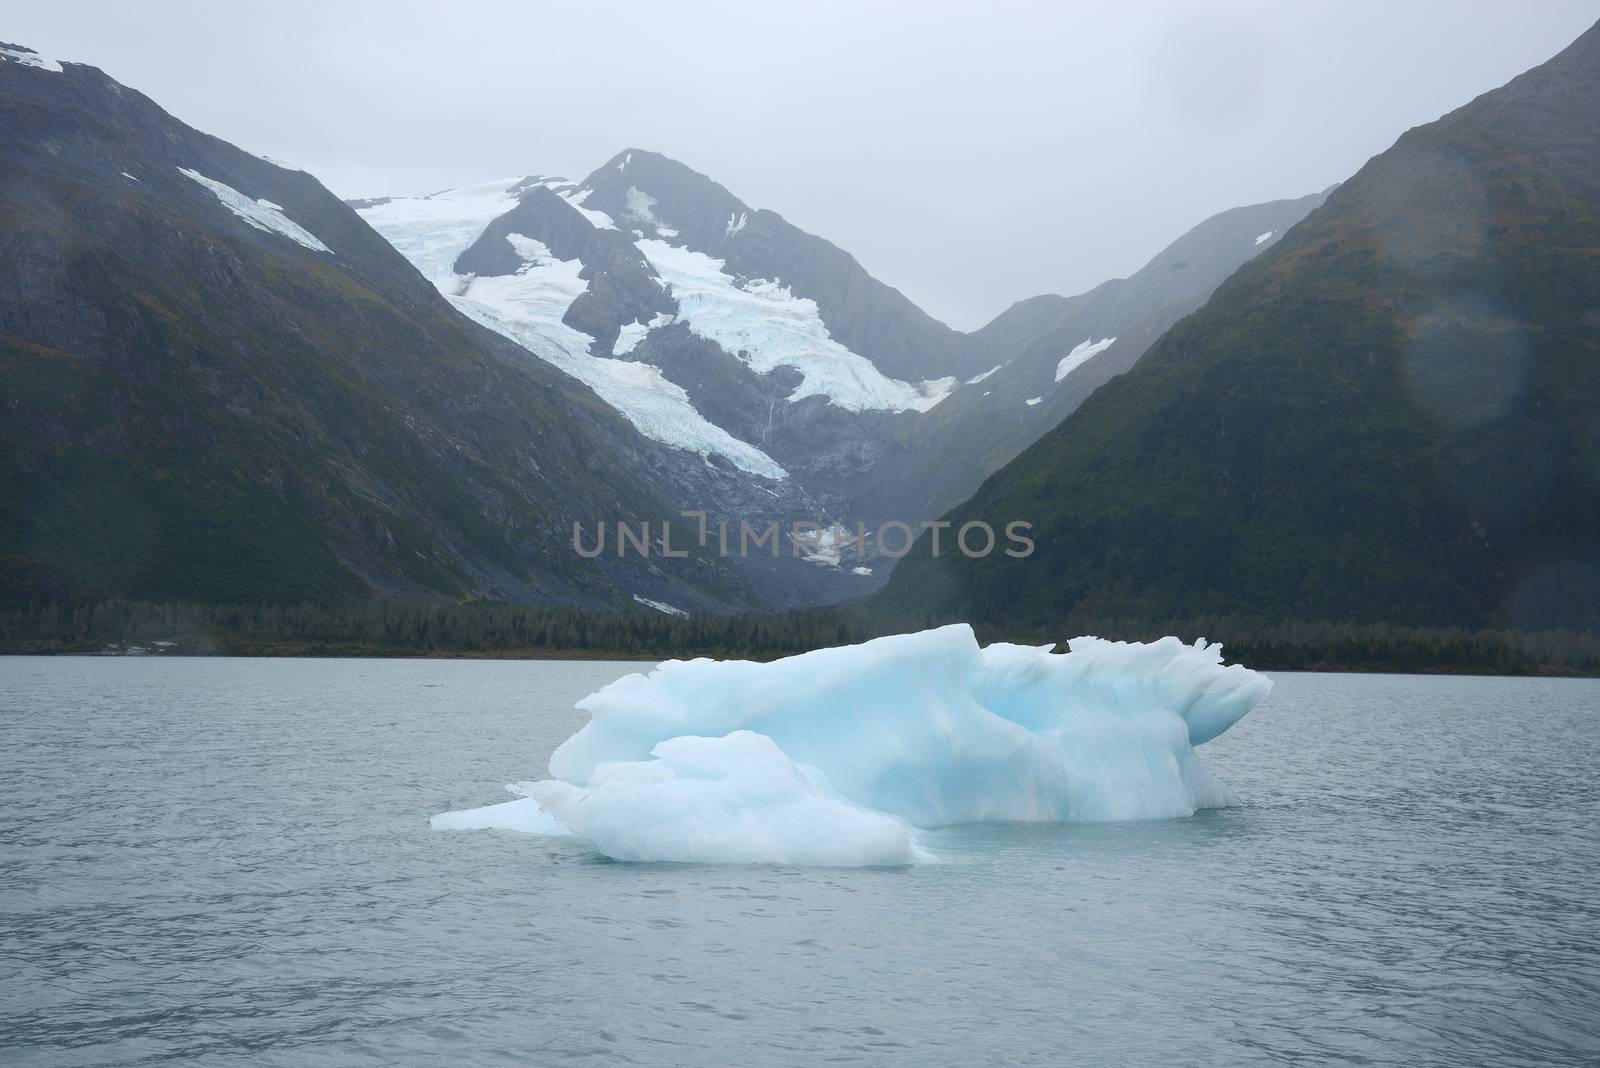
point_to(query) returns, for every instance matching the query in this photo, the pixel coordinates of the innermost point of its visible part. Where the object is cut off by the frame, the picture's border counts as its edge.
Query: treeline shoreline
(494, 630)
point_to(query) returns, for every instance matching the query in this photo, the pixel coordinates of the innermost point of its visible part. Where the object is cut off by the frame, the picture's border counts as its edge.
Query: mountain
(723, 331)
(1050, 353)
(1389, 416)
(221, 385)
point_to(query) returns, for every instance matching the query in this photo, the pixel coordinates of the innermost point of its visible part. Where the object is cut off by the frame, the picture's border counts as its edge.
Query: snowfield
(528, 308)
(1081, 354)
(768, 327)
(840, 757)
(29, 58)
(433, 231)
(760, 321)
(261, 214)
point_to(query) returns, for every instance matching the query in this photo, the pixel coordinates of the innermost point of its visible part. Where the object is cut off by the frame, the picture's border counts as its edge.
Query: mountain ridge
(1388, 417)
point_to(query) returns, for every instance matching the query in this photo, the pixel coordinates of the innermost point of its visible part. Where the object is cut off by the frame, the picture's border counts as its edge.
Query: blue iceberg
(840, 756)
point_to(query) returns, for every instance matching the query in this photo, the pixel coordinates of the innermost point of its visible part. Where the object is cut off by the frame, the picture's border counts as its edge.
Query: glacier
(764, 324)
(842, 757)
(529, 308)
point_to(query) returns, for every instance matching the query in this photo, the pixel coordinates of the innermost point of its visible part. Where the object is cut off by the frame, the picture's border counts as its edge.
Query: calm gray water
(229, 862)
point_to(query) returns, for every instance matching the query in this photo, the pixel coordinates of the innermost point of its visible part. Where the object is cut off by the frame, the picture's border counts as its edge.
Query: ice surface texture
(837, 757)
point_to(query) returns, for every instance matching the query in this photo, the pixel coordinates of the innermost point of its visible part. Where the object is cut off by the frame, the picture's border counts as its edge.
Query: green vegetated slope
(1390, 416)
(193, 408)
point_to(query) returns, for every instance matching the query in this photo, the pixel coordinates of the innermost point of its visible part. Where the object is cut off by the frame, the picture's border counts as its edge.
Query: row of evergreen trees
(402, 628)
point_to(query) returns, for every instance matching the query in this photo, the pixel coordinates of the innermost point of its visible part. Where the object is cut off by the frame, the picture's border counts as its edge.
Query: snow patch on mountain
(128, 176)
(660, 606)
(28, 58)
(576, 197)
(641, 206)
(768, 327)
(261, 214)
(736, 223)
(975, 379)
(1031, 401)
(1081, 354)
(631, 334)
(628, 338)
(1262, 239)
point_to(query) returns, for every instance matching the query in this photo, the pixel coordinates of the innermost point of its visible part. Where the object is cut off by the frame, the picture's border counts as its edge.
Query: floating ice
(261, 214)
(735, 799)
(839, 756)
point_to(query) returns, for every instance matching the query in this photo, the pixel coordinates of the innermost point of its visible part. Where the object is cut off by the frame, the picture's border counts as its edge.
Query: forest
(380, 628)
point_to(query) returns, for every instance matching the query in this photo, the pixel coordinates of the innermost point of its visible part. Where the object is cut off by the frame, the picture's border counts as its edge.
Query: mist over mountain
(722, 330)
(224, 384)
(1388, 416)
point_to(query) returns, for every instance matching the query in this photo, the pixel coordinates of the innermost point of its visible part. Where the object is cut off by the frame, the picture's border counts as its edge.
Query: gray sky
(971, 154)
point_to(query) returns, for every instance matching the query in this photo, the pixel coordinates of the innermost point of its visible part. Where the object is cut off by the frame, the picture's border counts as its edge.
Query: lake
(228, 861)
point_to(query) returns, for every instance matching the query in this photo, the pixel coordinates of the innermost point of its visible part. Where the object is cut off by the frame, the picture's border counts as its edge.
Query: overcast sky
(971, 154)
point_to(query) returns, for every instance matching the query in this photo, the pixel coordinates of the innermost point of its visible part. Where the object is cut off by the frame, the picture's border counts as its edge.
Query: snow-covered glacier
(841, 756)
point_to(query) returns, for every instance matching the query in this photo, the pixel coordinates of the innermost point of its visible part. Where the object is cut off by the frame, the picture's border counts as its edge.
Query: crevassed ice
(1080, 355)
(768, 327)
(841, 756)
(432, 232)
(261, 214)
(528, 307)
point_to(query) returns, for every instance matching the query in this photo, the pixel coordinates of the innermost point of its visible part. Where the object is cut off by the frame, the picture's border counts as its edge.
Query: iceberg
(840, 757)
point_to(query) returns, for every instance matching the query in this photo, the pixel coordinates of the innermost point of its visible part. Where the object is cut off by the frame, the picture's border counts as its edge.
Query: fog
(971, 155)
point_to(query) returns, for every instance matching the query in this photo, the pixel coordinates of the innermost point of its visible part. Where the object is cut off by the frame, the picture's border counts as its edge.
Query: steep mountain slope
(1051, 352)
(217, 383)
(1389, 416)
